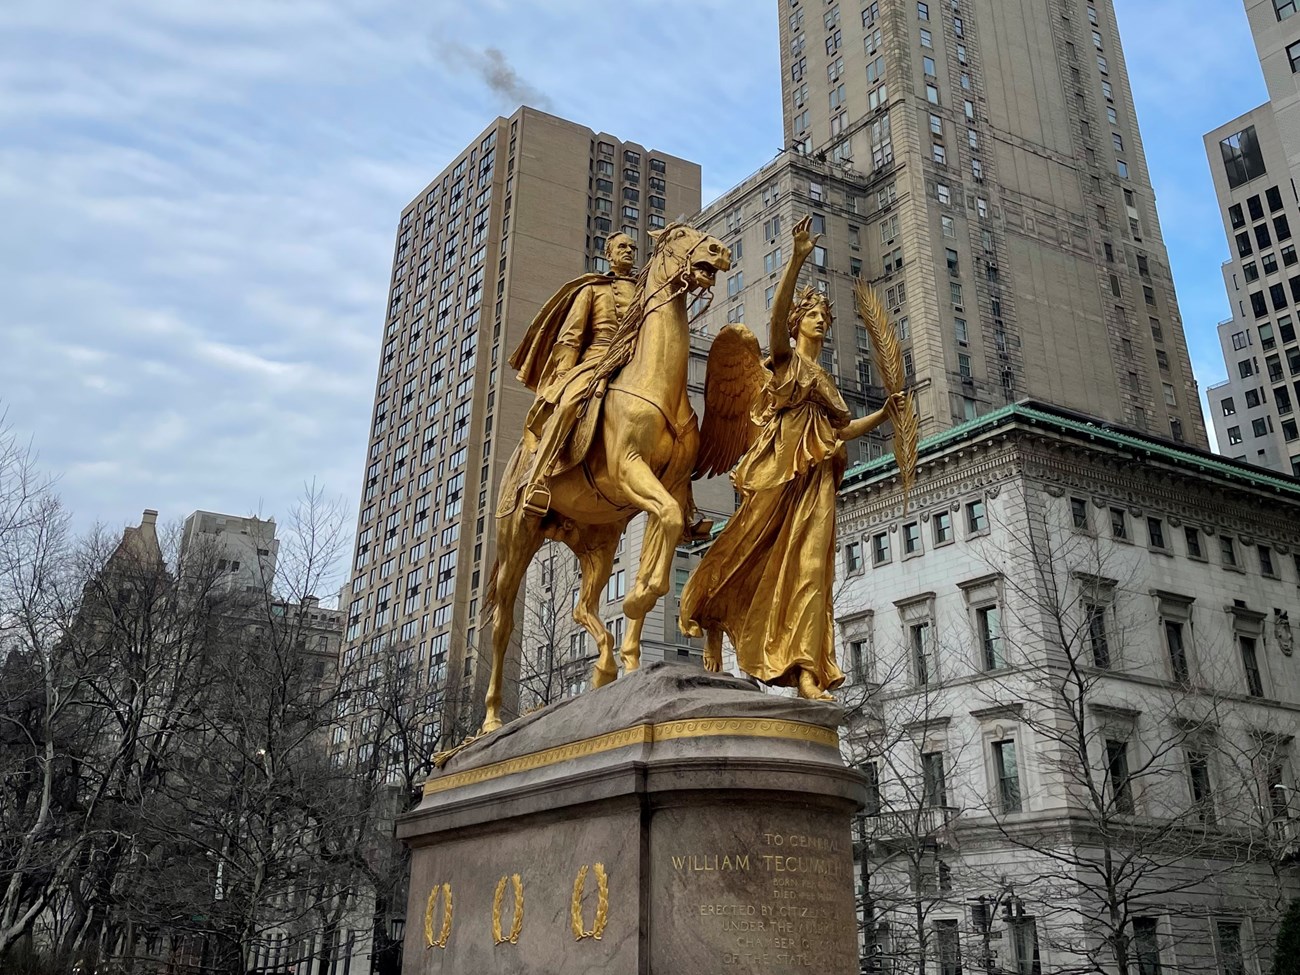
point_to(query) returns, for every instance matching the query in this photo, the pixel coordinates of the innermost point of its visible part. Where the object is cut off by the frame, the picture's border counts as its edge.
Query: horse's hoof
(810, 690)
(599, 677)
(490, 724)
(713, 663)
(631, 663)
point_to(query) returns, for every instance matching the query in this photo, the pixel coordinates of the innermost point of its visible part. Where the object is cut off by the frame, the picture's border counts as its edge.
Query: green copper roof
(1066, 422)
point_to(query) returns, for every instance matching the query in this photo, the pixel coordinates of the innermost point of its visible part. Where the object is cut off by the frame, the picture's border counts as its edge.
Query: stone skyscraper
(980, 162)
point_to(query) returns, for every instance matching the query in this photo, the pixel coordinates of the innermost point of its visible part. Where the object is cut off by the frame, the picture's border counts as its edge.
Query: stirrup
(537, 502)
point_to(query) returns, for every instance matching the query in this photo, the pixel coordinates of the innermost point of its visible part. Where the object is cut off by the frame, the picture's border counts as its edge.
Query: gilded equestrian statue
(634, 449)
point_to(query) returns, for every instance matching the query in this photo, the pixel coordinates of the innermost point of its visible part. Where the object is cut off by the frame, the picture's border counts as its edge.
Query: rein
(624, 345)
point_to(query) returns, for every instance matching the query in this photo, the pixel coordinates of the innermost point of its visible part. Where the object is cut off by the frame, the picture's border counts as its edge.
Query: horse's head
(688, 256)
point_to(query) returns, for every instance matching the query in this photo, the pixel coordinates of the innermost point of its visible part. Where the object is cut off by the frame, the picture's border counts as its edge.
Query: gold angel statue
(767, 579)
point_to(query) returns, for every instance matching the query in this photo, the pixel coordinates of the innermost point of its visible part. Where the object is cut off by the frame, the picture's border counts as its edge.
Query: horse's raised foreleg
(663, 531)
(595, 550)
(518, 539)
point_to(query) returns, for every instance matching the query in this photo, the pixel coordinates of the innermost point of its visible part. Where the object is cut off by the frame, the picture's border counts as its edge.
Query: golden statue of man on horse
(612, 433)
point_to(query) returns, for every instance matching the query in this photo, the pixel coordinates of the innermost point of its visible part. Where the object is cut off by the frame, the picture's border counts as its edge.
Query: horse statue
(644, 441)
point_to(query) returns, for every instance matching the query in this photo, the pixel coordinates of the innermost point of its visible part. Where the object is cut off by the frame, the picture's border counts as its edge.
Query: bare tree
(556, 652)
(909, 870)
(165, 747)
(44, 745)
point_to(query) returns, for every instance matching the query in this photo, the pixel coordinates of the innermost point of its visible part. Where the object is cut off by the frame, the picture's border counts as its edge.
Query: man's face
(622, 255)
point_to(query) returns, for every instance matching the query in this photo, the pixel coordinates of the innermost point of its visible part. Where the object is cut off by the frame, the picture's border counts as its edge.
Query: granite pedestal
(671, 823)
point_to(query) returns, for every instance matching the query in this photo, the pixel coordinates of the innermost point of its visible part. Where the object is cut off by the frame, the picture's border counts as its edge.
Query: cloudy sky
(197, 200)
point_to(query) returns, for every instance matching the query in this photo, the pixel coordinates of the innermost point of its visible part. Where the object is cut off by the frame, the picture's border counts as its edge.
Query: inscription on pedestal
(783, 902)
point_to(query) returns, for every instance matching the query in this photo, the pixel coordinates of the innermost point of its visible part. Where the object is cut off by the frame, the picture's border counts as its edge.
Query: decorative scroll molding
(642, 734)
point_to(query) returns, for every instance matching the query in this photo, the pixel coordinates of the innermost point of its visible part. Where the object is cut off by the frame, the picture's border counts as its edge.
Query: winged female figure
(767, 579)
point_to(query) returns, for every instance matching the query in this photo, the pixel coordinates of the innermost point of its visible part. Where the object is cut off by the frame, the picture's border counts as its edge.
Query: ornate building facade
(1073, 689)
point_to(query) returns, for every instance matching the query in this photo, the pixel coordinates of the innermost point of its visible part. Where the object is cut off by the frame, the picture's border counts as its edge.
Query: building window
(1156, 533)
(1006, 769)
(941, 525)
(1250, 663)
(1146, 946)
(921, 637)
(1177, 647)
(1284, 8)
(934, 788)
(1121, 786)
(880, 548)
(1024, 946)
(988, 621)
(1266, 566)
(853, 557)
(947, 945)
(859, 661)
(1193, 537)
(616, 586)
(976, 517)
(1198, 775)
(1293, 56)
(1119, 524)
(1227, 549)
(1098, 642)
(1079, 514)
(1242, 158)
(1227, 947)
(911, 538)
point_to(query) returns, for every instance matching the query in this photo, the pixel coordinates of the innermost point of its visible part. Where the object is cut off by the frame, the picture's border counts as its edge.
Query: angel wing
(732, 381)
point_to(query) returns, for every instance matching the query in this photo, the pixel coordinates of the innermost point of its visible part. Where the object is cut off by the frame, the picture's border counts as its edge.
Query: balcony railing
(1285, 831)
(926, 823)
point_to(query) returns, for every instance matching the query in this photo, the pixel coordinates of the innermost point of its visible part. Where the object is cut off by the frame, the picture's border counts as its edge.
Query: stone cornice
(1011, 709)
(1063, 463)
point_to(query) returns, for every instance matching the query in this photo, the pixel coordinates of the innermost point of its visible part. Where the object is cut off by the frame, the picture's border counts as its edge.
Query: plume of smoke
(494, 70)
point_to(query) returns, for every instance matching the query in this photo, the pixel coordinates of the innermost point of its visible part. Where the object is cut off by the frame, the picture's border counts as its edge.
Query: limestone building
(243, 549)
(1253, 160)
(980, 162)
(525, 207)
(1073, 687)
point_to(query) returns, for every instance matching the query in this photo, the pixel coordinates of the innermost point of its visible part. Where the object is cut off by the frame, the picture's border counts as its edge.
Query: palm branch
(888, 356)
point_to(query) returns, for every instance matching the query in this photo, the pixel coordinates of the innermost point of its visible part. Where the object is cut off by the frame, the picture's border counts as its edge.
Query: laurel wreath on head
(441, 941)
(518, 923)
(602, 903)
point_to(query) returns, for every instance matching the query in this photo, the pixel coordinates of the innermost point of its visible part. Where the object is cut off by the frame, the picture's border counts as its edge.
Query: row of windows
(941, 531)
(1119, 749)
(1160, 538)
(1005, 785)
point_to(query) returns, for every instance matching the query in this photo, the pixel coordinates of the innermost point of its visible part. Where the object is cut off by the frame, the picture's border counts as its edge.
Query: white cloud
(199, 200)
